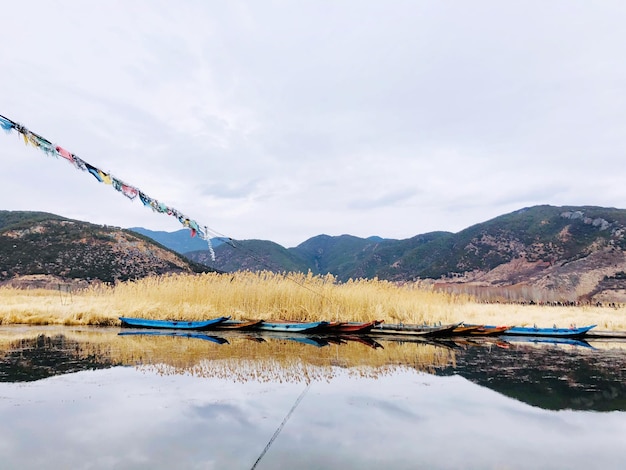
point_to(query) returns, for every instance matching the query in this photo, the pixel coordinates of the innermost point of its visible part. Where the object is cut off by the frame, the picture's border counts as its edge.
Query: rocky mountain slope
(541, 253)
(537, 254)
(37, 247)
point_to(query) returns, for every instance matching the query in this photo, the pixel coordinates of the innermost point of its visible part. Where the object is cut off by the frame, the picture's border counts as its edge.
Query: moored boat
(292, 327)
(465, 329)
(354, 327)
(571, 332)
(489, 330)
(238, 325)
(129, 322)
(415, 330)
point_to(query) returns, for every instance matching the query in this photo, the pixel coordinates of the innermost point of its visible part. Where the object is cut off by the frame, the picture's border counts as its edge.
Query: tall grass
(270, 296)
(244, 295)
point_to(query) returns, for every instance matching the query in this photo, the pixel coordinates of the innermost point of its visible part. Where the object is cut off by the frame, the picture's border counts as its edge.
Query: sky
(283, 120)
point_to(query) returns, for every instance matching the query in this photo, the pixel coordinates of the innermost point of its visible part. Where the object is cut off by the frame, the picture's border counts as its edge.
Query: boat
(238, 325)
(178, 334)
(415, 330)
(490, 330)
(129, 322)
(465, 329)
(353, 327)
(554, 332)
(292, 327)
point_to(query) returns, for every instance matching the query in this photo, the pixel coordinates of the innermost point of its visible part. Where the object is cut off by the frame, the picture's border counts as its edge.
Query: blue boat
(292, 327)
(129, 322)
(553, 332)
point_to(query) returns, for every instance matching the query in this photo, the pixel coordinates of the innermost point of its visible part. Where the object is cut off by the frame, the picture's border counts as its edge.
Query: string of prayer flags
(131, 192)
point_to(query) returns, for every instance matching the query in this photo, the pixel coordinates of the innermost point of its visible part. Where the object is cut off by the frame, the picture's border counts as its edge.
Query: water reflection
(68, 399)
(179, 334)
(551, 374)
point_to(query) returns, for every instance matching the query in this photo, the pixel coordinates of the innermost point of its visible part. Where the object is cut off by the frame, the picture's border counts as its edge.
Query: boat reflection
(547, 373)
(179, 334)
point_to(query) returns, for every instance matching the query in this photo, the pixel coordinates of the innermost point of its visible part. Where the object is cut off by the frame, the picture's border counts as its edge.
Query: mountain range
(541, 253)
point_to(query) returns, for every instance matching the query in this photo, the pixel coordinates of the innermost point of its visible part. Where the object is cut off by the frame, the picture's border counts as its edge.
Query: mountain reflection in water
(542, 373)
(91, 398)
(549, 374)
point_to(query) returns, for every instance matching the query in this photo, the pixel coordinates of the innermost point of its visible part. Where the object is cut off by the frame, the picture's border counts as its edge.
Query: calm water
(92, 399)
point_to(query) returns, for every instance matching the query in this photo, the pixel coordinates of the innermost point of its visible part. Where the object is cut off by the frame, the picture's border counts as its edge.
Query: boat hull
(129, 322)
(549, 332)
(354, 328)
(292, 327)
(239, 325)
(489, 331)
(415, 330)
(465, 330)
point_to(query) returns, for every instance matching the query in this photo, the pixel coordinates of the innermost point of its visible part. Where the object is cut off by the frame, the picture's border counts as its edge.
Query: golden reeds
(270, 296)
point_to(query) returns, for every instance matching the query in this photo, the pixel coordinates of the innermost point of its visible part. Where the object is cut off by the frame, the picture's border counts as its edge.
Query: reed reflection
(556, 375)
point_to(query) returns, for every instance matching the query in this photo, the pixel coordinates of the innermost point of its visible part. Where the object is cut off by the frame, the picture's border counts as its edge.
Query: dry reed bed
(269, 296)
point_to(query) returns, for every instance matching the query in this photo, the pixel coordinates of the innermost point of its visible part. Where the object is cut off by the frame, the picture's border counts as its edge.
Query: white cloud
(282, 121)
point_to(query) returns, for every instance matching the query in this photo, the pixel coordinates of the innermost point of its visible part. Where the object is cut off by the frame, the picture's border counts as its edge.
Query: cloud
(319, 116)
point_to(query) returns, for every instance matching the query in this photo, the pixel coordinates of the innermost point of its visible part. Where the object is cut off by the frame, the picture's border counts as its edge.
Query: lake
(91, 398)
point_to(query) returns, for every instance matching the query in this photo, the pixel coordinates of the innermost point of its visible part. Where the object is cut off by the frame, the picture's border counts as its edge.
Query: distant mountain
(180, 241)
(251, 255)
(345, 256)
(542, 252)
(34, 245)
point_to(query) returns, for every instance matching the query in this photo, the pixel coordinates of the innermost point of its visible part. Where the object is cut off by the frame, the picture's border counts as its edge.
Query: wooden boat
(489, 330)
(292, 327)
(238, 325)
(179, 334)
(129, 322)
(353, 327)
(465, 329)
(554, 332)
(415, 330)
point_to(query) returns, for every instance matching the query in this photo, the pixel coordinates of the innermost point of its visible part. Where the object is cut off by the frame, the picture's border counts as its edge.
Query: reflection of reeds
(277, 360)
(243, 359)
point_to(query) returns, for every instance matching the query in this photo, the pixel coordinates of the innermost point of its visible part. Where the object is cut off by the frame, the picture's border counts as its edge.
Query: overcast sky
(282, 120)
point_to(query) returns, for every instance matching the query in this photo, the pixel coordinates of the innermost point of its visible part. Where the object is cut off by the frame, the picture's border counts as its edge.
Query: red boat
(490, 330)
(353, 327)
(465, 330)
